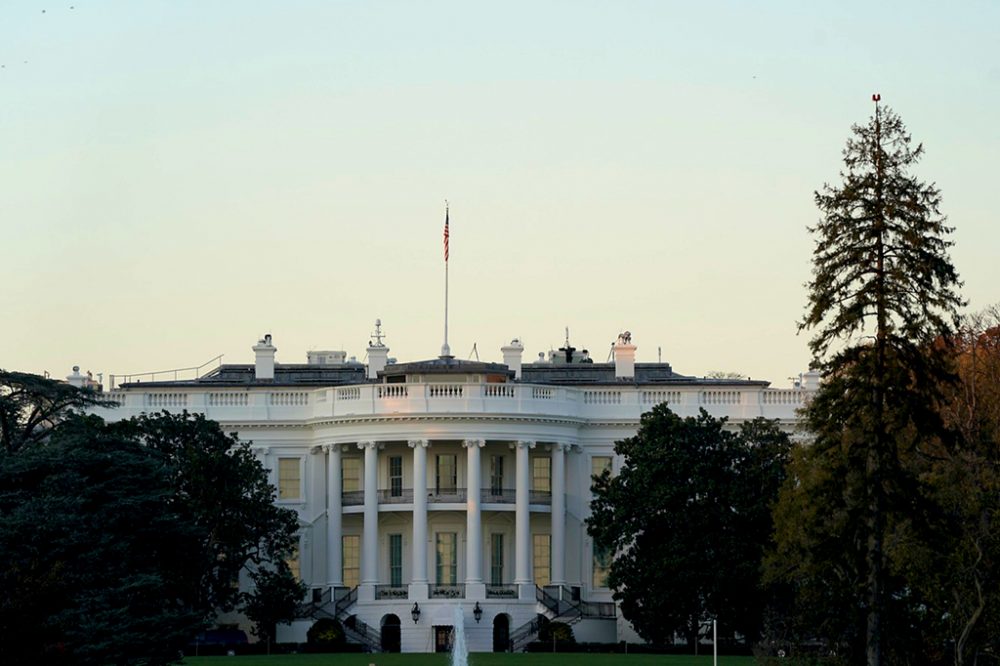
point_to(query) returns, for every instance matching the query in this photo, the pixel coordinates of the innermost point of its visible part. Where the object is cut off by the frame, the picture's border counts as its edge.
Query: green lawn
(482, 659)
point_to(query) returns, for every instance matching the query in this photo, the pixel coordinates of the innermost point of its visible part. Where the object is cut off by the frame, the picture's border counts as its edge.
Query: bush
(326, 635)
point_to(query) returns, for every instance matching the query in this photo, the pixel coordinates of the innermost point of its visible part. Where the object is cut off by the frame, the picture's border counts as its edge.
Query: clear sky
(178, 178)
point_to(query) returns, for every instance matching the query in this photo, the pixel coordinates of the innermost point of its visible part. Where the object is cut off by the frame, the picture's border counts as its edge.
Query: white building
(422, 486)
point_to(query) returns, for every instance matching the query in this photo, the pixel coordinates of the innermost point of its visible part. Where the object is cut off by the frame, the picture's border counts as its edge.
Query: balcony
(438, 591)
(301, 404)
(445, 496)
(391, 592)
(504, 591)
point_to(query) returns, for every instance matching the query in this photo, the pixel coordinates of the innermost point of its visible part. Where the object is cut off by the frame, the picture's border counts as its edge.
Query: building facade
(422, 487)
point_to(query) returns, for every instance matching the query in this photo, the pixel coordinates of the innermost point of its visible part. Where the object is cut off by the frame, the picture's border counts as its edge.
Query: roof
(446, 366)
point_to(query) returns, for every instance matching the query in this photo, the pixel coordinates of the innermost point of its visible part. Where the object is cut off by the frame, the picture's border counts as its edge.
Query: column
(475, 588)
(263, 454)
(418, 581)
(559, 514)
(369, 540)
(334, 517)
(522, 528)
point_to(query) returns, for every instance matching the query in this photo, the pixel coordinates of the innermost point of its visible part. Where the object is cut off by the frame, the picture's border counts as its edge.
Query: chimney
(512, 356)
(378, 353)
(76, 379)
(810, 380)
(624, 352)
(264, 358)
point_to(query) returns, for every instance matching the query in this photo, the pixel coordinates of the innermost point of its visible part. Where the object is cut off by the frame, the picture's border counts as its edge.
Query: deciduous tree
(687, 519)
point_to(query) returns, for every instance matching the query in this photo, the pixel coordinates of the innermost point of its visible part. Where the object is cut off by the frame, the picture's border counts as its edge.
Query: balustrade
(438, 591)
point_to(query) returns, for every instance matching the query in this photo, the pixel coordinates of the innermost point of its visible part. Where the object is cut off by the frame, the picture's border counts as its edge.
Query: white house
(424, 486)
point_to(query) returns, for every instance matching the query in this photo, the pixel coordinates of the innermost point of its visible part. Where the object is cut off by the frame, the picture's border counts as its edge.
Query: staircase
(558, 608)
(355, 630)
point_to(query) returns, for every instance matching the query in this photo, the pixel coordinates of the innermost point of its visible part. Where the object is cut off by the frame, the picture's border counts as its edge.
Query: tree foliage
(122, 540)
(33, 407)
(883, 291)
(687, 518)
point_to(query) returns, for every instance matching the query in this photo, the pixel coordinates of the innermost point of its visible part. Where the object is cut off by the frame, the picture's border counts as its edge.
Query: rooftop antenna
(659, 354)
(445, 349)
(474, 352)
(377, 335)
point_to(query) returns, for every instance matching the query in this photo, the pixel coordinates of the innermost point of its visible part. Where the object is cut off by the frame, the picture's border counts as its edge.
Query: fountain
(459, 652)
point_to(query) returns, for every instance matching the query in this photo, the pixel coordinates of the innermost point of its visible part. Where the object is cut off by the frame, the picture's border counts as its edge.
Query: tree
(687, 518)
(122, 540)
(33, 407)
(91, 550)
(958, 569)
(275, 597)
(882, 291)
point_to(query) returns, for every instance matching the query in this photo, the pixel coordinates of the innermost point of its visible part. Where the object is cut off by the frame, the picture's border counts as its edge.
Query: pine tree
(883, 289)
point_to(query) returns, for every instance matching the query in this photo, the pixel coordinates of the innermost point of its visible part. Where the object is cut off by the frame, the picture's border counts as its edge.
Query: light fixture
(415, 612)
(477, 613)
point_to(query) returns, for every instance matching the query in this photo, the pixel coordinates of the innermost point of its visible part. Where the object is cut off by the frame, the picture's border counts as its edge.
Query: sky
(178, 178)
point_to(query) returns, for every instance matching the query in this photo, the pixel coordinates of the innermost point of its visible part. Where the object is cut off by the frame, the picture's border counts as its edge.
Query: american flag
(446, 235)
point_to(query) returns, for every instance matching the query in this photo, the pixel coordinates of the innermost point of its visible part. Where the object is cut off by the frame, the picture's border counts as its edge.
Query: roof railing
(176, 374)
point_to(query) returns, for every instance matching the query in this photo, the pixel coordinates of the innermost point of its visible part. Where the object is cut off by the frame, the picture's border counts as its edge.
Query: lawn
(481, 659)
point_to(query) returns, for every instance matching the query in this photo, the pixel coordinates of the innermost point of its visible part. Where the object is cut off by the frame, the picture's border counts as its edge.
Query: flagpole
(445, 349)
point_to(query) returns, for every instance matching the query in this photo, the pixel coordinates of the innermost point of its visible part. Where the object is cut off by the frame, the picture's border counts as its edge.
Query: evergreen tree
(883, 290)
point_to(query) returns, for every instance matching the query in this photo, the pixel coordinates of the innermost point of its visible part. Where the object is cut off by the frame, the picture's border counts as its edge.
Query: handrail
(128, 378)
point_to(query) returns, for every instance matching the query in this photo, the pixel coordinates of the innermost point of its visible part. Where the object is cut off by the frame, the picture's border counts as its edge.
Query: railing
(656, 396)
(352, 497)
(391, 592)
(452, 495)
(392, 400)
(447, 591)
(720, 397)
(385, 391)
(349, 393)
(783, 396)
(398, 496)
(177, 374)
(288, 398)
(166, 400)
(540, 497)
(498, 496)
(526, 633)
(602, 397)
(445, 390)
(228, 399)
(504, 591)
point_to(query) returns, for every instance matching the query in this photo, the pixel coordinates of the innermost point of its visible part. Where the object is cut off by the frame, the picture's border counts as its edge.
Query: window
(350, 475)
(447, 473)
(541, 474)
(351, 545)
(542, 559)
(289, 479)
(396, 560)
(496, 475)
(496, 559)
(447, 558)
(396, 476)
(294, 565)
(602, 561)
(600, 463)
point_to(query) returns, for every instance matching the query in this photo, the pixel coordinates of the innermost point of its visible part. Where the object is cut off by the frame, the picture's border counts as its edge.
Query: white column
(334, 517)
(558, 514)
(369, 543)
(522, 528)
(418, 581)
(474, 522)
(263, 454)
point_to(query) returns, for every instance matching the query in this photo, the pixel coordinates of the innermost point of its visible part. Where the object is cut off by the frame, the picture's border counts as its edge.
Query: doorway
(501, 633)
(442, 637)
(391, 633)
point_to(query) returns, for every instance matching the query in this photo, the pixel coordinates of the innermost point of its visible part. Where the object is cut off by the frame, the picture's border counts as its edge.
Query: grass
(475, 659)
